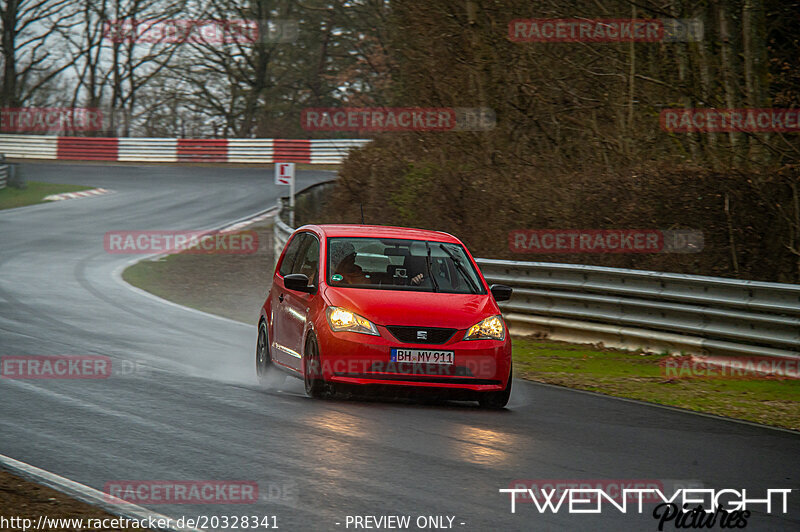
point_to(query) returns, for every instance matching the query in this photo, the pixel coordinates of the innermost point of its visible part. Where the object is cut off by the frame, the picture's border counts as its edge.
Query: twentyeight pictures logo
(694, 507)
(533, 490)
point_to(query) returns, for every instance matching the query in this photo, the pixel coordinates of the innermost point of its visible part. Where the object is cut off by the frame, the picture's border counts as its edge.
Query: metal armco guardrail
(635, 309)
(651, 310)
(280, 234)
(163, 150)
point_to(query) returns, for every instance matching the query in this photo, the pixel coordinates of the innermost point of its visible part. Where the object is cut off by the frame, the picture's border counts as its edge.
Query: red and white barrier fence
(318, 151)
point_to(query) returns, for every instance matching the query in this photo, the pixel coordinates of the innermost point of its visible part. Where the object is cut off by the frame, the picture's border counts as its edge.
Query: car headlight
(492, 328)
(343, 320)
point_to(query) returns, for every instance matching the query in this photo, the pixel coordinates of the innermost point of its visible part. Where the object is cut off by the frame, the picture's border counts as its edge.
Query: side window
(307, 262)
(291, 254)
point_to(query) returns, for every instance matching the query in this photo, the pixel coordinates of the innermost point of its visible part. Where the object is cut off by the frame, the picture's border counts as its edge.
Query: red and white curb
(76, 195)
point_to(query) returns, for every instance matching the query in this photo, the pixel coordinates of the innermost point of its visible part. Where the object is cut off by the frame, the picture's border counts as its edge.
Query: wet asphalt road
(183, 403)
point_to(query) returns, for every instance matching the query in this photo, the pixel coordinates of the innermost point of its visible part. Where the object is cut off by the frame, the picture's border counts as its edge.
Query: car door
(279, 335)
(297, 304)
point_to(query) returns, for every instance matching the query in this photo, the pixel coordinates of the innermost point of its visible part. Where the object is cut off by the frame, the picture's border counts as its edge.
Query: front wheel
(497, 400)
(312, 369)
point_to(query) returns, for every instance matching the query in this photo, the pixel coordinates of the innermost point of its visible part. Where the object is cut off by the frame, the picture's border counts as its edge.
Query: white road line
(85, 493)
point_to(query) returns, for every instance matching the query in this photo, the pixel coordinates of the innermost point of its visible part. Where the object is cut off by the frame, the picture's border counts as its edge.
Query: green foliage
(578, 142)
(639, 376)
(33, 193)
(405, 199)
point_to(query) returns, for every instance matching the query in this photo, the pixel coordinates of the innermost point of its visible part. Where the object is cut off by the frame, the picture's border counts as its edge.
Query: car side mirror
(501, 292)
(299, 283)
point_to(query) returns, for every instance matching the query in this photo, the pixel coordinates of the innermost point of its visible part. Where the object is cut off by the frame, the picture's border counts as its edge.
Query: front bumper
(360, 359)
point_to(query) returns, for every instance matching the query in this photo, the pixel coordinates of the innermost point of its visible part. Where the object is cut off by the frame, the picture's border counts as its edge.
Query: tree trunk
(8, 89)
(704, 71)
(754, 50)
(727, 67)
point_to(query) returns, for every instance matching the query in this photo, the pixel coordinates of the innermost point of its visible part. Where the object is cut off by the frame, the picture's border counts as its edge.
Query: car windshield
(400, 264)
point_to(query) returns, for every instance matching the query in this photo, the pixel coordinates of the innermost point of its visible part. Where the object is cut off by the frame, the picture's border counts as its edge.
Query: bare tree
(28, 63)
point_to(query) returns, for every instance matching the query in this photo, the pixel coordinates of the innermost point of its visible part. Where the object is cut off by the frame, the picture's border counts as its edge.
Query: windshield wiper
(461, 268)
(430, 270)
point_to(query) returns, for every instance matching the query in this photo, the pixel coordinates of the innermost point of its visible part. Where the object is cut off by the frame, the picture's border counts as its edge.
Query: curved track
(197, 414)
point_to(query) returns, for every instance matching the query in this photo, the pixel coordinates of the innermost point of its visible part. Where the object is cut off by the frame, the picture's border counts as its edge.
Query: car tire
(312, 369)
(268, 374)
(497, 400)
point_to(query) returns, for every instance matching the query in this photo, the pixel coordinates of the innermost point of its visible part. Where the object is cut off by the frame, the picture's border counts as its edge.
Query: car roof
(382, 231)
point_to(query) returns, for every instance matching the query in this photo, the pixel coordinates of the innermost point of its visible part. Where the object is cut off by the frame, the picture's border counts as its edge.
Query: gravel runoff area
(24, 503)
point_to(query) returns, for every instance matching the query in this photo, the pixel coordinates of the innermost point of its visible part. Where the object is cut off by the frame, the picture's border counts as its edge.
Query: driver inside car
(417, 269)
(343, 255)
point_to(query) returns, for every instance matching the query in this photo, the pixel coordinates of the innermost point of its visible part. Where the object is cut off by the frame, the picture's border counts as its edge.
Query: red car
(386, 306)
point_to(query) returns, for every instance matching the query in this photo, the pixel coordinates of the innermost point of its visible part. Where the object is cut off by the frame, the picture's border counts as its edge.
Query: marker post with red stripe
(284, 175)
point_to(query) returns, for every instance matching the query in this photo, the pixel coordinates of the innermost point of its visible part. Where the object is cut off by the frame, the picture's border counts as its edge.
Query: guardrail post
(15, 178)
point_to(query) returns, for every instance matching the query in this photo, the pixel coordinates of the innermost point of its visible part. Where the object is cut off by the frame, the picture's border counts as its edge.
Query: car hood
(394, 307)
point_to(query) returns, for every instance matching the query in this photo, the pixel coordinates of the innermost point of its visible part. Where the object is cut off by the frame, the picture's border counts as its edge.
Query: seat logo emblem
(422, 335)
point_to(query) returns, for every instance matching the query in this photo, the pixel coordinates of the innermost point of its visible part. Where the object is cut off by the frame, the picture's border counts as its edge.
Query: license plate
(422, 356)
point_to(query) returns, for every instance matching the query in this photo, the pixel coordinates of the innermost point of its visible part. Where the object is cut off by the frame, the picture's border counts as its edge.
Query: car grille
(408, 335)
